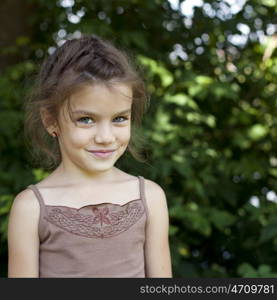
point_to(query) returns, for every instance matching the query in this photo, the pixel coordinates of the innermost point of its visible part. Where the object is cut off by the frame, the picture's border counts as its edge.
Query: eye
(89, 120)
(122, 118)
(85, 120)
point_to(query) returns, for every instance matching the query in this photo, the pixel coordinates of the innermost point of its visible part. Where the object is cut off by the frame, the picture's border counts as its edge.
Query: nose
(104, 134)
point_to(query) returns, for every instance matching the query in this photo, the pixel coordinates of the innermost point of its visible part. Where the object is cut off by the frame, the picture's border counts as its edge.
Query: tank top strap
(38, 196)
(42, 229)
(142, 195)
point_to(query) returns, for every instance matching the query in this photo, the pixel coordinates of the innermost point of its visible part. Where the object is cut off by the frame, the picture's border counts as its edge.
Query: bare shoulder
(153, 188)
(23, 218)
(155, 195)
(26, 205)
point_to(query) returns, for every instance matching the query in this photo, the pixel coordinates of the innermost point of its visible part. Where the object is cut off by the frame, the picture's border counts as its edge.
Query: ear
(48, 121)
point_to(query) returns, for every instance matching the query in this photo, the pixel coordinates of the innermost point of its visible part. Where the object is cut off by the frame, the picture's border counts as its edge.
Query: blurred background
(210, 68)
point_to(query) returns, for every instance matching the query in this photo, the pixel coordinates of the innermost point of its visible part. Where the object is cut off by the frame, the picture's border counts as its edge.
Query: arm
(23, 240)
(157, 252)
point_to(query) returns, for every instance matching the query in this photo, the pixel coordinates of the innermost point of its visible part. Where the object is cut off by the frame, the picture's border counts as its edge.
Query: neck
(78, 176)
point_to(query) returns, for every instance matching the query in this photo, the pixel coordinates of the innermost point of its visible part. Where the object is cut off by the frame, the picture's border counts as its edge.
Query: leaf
(246, 270)
(157, 68)
(204, 80)
(197, 222)
(257, 132)
(264, 269)
(40, 174)
(269, 3)
(268, 232)
(192, 219)
(173, 230)
(182, 100)
(220, 218)
(5, 204)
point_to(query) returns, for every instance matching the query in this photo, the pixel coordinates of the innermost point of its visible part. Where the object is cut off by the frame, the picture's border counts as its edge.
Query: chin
(98, 166)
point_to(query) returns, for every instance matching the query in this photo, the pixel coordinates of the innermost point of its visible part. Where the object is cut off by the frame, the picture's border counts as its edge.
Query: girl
(88, 218)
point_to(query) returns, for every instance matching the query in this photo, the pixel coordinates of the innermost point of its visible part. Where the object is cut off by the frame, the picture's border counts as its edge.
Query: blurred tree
(210, 67)
(15, 27)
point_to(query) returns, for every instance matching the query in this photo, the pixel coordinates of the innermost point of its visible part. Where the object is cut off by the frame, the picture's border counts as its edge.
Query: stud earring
(54, 134)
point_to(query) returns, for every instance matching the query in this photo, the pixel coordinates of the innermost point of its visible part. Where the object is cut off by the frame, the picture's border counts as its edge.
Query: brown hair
(76, 63)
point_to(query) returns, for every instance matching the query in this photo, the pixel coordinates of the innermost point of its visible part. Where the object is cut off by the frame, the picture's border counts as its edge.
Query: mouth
(102, 153)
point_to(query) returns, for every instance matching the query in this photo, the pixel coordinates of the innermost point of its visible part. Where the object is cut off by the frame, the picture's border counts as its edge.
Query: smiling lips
(102, 153)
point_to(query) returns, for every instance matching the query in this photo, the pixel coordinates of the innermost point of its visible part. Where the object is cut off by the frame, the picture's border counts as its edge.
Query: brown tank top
(96, 240)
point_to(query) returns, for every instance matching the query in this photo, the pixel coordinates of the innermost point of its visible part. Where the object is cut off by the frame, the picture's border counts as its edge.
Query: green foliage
(246, 270)
(211, 124)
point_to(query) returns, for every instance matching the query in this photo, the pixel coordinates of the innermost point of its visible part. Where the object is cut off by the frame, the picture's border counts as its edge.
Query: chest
(118, 194)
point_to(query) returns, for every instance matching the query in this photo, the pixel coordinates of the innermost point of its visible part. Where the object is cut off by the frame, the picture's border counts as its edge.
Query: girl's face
(102, 119)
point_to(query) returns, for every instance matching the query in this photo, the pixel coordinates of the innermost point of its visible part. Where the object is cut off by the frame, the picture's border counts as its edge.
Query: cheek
(124, 134)
(77, 137)
(80, 137)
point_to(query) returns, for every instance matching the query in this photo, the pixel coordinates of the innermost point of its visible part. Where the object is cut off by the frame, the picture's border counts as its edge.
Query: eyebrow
(85, 112)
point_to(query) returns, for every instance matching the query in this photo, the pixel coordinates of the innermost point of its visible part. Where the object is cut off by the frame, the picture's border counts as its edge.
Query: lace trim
(104, 222)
